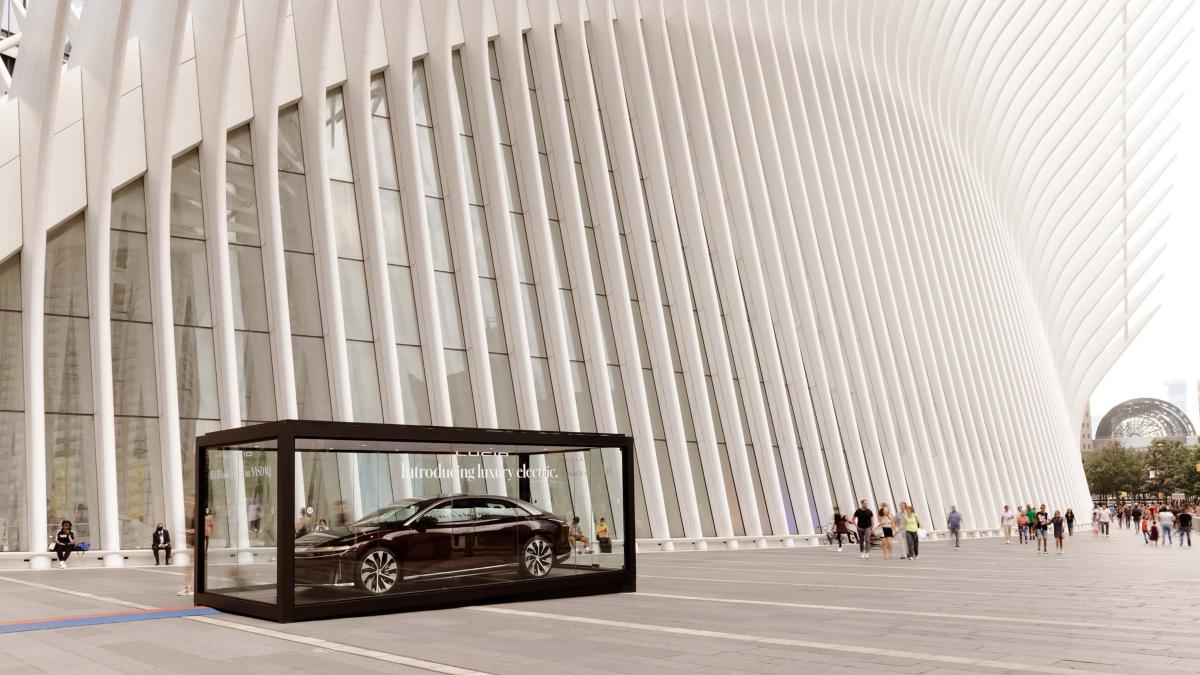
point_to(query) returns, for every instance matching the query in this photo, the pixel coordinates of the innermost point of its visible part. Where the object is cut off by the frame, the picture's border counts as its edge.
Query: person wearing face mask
(161, 541)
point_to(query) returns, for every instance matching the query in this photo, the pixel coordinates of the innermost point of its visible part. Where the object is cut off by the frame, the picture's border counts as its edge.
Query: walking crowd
(899, 534)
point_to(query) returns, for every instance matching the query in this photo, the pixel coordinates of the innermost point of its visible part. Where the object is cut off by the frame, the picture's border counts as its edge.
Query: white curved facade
(803, 252)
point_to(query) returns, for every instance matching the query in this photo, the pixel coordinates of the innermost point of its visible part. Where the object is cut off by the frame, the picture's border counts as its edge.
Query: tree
(1170, 466)
(1113, 469)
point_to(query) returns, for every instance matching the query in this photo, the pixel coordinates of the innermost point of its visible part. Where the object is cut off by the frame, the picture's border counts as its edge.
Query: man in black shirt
(1183, 521)
(864, 520)
(1042, 523)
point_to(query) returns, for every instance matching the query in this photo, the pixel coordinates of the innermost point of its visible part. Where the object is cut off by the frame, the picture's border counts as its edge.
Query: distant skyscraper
(1177, 393)
(1085, 430)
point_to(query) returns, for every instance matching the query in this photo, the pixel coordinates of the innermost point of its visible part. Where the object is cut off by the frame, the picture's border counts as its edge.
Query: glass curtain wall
(414, 389)
(195, 357)
(313, 401)
(642, 518)
(539, 360)
(462, 403)
(252, 339)
(140, 502)
(502, 383)
(13, 536)
(71, 487)
(352, 273)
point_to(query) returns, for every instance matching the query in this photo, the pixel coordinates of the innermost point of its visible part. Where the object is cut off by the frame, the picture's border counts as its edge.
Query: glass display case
(305, 520)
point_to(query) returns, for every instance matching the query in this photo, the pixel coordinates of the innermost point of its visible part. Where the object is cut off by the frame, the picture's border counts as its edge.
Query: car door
(495, 535)
(438, 542)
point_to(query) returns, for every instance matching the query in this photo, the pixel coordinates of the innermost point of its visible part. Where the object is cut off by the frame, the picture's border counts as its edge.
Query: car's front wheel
(537, 557)
(378, 571)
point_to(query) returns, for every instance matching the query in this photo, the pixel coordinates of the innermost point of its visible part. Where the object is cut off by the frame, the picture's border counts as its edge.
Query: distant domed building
(1136, 422)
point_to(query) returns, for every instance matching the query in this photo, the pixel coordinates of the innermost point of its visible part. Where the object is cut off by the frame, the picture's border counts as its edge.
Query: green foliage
(1113, 469)
(1170, 467)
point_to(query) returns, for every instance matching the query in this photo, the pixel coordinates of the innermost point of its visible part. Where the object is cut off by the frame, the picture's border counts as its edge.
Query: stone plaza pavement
(1108, 605)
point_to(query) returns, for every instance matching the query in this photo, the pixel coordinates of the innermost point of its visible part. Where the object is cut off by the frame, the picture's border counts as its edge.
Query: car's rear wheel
(378, 571)
(537, 557)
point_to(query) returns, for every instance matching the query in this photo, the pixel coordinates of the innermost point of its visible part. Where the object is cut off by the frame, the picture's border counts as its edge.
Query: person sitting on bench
(64, 543)
(578, 536)
(161, 540)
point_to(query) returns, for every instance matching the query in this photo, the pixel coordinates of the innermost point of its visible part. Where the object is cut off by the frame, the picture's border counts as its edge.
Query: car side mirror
(424, 523)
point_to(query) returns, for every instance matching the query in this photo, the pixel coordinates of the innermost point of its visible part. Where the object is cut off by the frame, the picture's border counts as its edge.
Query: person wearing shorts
(887, 527)
(1041, 526)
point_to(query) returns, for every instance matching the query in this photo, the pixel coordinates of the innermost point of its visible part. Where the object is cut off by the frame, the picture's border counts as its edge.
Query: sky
(1169, 347)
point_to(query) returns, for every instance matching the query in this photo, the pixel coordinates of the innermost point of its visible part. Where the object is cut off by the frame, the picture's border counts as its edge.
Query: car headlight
(326, 549)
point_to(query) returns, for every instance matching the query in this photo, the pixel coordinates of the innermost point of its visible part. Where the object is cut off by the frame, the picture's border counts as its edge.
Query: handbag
(922, 533)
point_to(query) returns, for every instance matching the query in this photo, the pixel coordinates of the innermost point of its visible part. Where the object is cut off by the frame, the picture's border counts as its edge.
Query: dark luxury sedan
(435, 537)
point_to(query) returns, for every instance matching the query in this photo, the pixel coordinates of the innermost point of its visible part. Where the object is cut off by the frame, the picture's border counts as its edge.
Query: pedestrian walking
(1042, 525)
(1183, 522)
(887, 530)
(912, 526)
(864, 521)
(1007, 520)
(1154, 533)
(1166, 521)
(1136, 514)
(839, 528)
(1059, 523)
(1023, 527)
(900, 541)
(1070, 518)
(1145, 529)
(954, 524)
(1104, 517)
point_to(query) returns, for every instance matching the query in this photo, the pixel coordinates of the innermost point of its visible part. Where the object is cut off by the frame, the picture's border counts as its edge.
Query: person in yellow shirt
(911, 525)
(603, 536)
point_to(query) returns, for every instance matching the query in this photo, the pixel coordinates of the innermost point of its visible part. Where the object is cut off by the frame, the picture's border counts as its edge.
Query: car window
(452, 512)
(490, 509)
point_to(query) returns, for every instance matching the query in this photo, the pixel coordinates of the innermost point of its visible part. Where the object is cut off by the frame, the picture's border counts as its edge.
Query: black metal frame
(285, 433)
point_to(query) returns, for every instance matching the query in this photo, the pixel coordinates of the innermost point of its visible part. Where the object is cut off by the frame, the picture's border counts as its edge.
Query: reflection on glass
(241, 526)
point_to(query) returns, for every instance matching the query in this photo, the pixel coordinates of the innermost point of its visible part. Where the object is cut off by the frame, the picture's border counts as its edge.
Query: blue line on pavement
(97, 620)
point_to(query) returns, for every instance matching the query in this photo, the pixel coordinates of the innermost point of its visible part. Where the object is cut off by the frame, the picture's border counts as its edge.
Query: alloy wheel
(539, 558)
(379, 571)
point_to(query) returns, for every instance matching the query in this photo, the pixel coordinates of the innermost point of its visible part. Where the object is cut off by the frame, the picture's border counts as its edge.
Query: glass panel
(583, 397)
(249, 293)
(189, 282)
(448, 311)
(574, 345)
(68, 373)
(355, 307)
(130, 276)
(493, 323)
(458, 380)
(189, 431)
(461, 115)
(393, 227)
(404, 309)
(379, 98)
(471, 169)
(291, 153)
(135, 390)
(502, 385)
(140, 503)
(483, 247)
(364, 382)
(544, 391)
(421, 94)
(239, 148)
(240, 559)
(293, 209)
(510, 177)
(414, 395)
(707, 526)
(66, 270)
(129, 208)
(524, 262)
(303, 306)
(430, 177)
(620, 407)
(670, 496)
(10, 283)
(533, 326)
(345, 220)
(13, 499)
(312, 378)
(385, 157)
(71, 476)
(187, 212)
(196, 372)
(337, 140)
(12, 369)
(255, 377)
(241, 205)
(439, 236)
